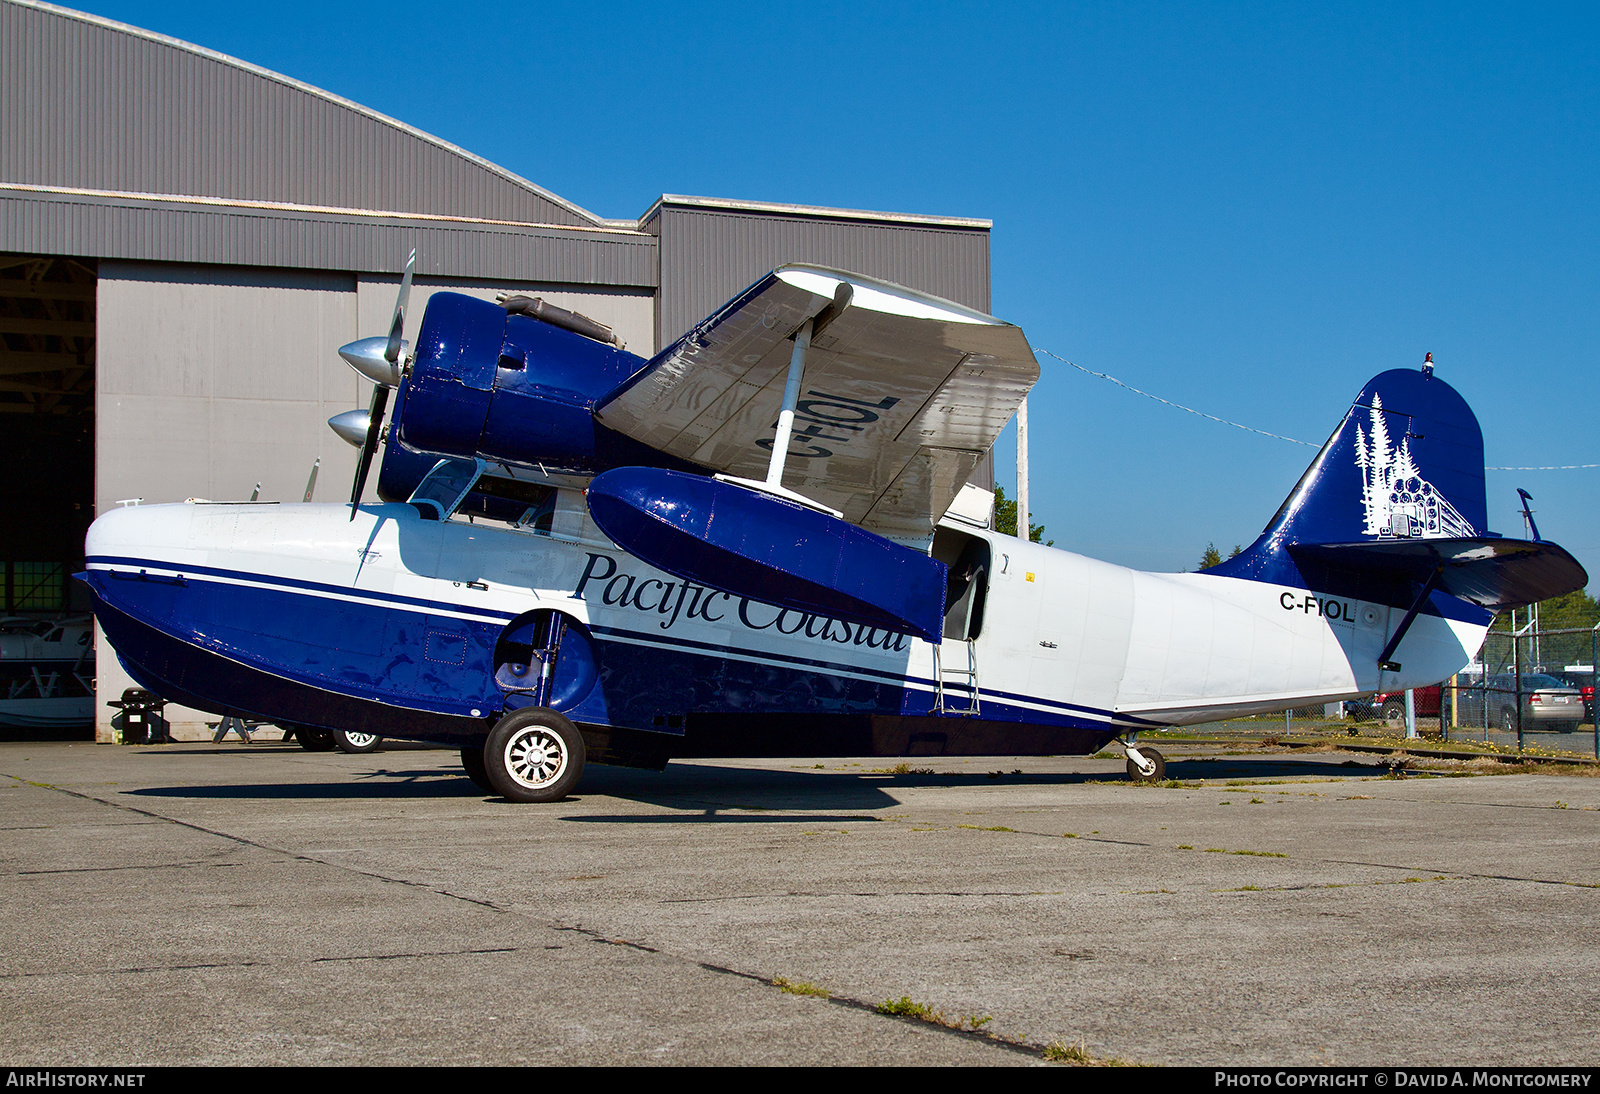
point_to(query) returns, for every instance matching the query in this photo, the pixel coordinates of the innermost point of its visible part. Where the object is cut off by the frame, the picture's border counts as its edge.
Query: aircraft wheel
(314, 740)
(1137, 776)
(347, 741)
(472, 763)
(534, 755)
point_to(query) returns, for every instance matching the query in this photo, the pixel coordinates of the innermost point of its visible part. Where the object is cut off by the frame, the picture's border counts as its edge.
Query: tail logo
(1399, 502)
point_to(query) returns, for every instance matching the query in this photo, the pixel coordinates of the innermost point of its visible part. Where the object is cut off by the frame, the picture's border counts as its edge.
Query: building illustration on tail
(1399, 502)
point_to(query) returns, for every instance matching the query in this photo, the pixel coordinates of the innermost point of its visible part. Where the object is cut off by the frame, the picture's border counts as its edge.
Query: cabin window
(517, 502)
(443, 489)
(967, 583)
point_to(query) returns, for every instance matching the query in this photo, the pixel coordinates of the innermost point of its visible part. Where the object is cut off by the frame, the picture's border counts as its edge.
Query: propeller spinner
(378, 359)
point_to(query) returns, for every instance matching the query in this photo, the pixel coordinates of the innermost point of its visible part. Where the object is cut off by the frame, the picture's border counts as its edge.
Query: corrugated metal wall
(708, 255)
(162, 231)
(99, 107)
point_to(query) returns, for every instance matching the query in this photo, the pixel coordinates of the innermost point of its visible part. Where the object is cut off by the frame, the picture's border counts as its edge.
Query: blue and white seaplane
(761, 542)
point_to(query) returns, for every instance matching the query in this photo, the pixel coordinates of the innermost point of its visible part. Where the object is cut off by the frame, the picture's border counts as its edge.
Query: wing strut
(797, 367)
(791, 397)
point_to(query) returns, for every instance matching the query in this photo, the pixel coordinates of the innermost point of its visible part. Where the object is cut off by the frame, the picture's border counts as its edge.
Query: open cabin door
(955, 659)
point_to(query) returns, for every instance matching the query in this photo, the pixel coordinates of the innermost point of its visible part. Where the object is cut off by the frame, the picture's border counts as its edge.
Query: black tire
(1508, 721)
(314, 740)
(472, 763)
(1394, 714)
(356, 743)
(534, 755)
(1137, 776)
(1568, 727)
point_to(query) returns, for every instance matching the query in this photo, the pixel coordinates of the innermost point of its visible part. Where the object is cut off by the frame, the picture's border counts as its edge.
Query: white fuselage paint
(1058, 628)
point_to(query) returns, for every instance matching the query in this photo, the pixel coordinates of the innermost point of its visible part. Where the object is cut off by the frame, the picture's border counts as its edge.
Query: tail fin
(1395, 500)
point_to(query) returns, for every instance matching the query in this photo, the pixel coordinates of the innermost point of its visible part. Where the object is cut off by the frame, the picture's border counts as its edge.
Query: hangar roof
(78, 90)
(122, 143)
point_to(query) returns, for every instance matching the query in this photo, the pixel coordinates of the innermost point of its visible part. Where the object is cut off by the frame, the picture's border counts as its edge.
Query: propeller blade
(311, 483)
(392, 352)
(380, 400)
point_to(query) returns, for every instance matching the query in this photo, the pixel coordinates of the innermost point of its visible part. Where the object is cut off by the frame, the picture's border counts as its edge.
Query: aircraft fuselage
(398, 625)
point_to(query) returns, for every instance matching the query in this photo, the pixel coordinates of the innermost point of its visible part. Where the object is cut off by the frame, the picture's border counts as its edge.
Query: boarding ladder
(962, 679)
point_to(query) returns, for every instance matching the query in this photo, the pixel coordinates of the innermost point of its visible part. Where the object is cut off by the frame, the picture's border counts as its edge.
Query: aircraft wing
(902, 394)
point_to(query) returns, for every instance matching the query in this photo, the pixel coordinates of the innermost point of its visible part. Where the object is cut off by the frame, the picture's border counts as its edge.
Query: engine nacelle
(508, 389)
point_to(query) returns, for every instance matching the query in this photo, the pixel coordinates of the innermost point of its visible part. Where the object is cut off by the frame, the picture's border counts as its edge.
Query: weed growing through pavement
(799, 987)
(1059, 1052)
(1257, 854)
(907, 1007)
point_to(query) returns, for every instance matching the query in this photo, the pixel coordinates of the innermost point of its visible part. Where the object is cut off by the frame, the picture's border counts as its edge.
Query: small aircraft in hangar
(760, 542)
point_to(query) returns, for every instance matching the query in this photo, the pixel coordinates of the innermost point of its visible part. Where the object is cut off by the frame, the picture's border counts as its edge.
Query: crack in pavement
(994, 1039)
(135, 969)
(144, 866)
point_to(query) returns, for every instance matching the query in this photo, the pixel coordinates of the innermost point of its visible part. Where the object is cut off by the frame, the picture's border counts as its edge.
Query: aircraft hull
(396, 625)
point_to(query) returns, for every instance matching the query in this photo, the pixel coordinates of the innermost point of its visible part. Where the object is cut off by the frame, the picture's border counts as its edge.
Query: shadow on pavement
(697, 793)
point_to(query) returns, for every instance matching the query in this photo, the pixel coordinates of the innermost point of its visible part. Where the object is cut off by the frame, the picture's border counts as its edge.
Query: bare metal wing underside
(902, 394)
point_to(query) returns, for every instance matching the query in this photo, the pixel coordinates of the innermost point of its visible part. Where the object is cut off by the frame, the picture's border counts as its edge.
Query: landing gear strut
(1145, 765)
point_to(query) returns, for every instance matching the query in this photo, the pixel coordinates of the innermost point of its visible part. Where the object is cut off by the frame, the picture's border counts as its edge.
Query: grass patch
(1257, 854)
(996, 828)
(799, 987)
(1059, 1052)
(907, 1007)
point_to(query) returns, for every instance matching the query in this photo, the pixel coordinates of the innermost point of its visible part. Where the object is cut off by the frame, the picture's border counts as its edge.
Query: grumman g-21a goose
(760, 542)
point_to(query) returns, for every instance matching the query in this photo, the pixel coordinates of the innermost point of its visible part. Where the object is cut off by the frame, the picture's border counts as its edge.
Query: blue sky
(1247, 208)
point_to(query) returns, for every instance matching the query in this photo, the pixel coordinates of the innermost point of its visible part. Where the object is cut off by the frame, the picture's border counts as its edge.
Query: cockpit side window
(443, 489)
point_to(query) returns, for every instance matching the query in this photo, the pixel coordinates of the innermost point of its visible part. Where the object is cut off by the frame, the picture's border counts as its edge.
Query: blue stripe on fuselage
(381, 647)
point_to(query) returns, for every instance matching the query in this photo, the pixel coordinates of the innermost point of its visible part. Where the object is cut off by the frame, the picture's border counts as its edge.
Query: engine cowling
(509, 389)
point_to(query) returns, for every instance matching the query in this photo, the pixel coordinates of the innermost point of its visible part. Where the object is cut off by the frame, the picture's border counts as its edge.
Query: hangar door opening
(47, 338)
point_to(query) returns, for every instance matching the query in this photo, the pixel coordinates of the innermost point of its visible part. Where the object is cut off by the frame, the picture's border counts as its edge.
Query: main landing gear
(346, 740)
(1145, 765)
(532, 755)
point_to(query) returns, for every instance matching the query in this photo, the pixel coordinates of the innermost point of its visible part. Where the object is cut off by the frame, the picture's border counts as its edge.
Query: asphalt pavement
(233, 904)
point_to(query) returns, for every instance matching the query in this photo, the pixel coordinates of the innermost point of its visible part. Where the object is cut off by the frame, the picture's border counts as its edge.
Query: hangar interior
(184, 245)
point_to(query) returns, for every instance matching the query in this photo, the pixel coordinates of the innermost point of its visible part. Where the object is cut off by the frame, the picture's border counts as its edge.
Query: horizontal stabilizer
(1491, 572)
(767, 548)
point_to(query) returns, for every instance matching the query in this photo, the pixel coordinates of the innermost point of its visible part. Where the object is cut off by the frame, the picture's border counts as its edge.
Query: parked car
(1583, 680)
(1391, 705)
(1548, 703)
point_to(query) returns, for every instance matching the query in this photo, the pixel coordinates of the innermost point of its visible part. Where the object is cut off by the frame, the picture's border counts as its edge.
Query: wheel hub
(536, 757)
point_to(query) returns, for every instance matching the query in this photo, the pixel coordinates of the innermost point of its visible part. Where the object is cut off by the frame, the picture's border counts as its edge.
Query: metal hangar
(183, 245)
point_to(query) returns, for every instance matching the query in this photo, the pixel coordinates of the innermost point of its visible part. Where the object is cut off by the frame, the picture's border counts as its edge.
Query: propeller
(378, 359)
